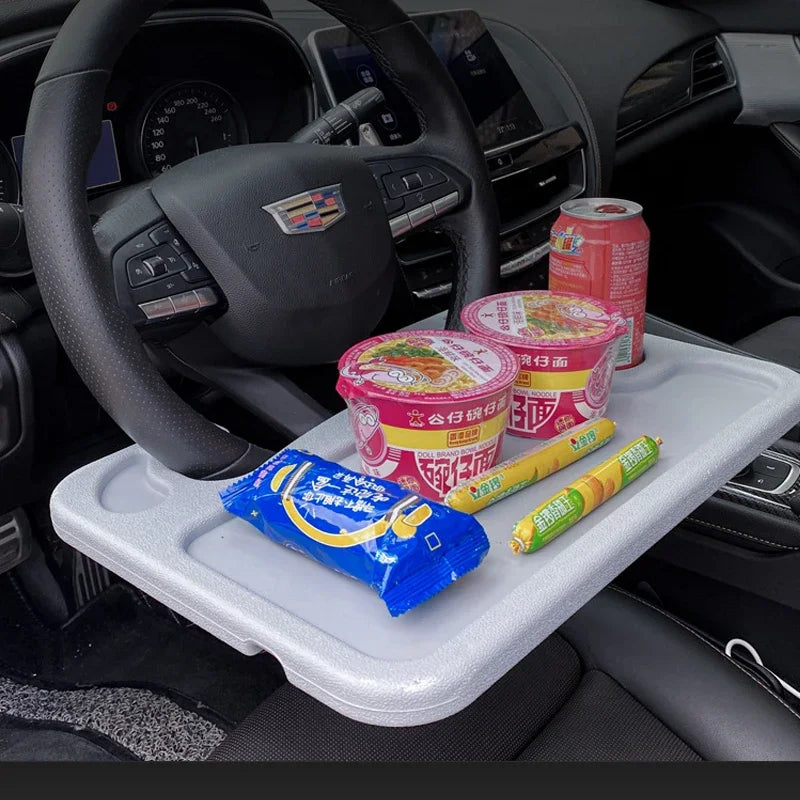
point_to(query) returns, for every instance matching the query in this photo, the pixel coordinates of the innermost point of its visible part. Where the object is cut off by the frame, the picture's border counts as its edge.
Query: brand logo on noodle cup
(428, 408)
(566, 344)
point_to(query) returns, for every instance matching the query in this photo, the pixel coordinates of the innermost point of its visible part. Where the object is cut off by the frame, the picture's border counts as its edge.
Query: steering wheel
(290, 247)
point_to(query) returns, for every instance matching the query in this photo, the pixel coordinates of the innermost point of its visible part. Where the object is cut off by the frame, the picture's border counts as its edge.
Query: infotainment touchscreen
(499, 107)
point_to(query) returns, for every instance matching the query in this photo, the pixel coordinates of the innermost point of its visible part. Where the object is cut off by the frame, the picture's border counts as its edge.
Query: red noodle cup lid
(545, 319)
(426, 366)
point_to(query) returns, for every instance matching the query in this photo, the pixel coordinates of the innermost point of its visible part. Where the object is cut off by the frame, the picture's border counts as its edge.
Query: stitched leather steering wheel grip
(75, 281)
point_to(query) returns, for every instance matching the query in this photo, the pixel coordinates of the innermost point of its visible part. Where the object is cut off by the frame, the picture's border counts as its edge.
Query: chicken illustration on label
(441, 400)
(370, 438)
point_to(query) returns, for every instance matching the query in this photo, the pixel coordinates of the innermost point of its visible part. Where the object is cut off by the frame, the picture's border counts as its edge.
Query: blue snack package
(404, 546)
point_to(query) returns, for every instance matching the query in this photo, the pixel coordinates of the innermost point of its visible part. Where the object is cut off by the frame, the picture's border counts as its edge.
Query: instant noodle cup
(428, 408)
(567, 348)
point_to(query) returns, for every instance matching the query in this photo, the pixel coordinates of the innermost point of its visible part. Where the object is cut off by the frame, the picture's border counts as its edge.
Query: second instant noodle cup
(428, 408)
(567, 348)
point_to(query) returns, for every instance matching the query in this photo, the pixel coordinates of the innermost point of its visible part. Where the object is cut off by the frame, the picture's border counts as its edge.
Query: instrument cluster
(184, 86)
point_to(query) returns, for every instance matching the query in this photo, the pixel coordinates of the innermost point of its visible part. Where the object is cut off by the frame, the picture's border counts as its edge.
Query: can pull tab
(610, 208)
(757, 658)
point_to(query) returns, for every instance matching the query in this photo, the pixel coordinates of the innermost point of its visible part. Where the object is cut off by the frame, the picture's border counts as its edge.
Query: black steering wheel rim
(77, 289)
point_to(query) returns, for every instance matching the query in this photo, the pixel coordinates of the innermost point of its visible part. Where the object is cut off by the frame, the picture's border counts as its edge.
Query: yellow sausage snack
(530, 467)
(580, 498)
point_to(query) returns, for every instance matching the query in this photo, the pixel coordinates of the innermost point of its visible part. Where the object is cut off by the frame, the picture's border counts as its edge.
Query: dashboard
(554, 101)
(194, 81)
(184, 86)
(608, 81)
(500, 109)
(581, 87)
(535, 149)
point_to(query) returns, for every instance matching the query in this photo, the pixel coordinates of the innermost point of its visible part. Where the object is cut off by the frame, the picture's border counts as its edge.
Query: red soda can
(600, 247)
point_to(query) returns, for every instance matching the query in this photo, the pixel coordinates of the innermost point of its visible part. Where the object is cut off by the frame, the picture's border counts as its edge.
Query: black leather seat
(621, 680)
(776, 342)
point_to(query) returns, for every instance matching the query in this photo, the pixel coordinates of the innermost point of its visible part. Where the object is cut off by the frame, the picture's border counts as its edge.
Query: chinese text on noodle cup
(566, 344)
(428, 408)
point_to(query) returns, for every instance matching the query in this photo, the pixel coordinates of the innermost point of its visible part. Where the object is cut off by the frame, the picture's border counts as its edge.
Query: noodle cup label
(428, 408)
(567, 346)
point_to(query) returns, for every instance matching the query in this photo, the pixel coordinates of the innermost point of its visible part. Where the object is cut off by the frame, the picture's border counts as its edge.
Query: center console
(756, 511)
(535, 151)
(772, 479)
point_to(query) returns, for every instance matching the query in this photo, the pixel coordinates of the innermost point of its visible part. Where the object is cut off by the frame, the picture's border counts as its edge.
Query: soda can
(600, 247)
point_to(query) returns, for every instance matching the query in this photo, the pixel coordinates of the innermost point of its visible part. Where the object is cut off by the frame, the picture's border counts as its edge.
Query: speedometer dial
(187, 120)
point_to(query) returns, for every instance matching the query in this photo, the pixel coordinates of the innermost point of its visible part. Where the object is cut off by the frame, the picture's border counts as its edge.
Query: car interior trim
(768, 68)
(691, 99)
(788, 482)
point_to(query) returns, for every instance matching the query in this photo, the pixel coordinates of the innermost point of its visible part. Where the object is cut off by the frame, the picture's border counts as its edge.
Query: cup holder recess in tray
(133, 487)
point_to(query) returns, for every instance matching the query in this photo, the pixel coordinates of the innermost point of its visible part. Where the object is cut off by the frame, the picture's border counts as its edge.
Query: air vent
(710, 71)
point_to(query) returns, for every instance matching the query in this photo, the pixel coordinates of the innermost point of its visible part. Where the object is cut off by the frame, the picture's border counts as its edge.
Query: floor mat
(23, 740)
(124, 638)
(148, 725)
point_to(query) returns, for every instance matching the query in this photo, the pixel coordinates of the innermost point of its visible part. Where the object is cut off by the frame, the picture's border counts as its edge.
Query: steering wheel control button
(206, 297)
(158, 309)
(168, 255)
(194, 270)
(423, 208)
(400, 225)
(155, 283)
(137, 273)
(416, 181)
(412, 181)
(392, 205)
(162, 235)
(379, 169)
(155, 267)
(186, 302)
(430, 176)
(166, 234)
(179, 304)
(419, 216)
(394, 185)
(446, 203)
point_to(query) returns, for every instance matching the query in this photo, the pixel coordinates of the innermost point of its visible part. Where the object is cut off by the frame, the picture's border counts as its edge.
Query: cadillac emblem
(309, 212)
